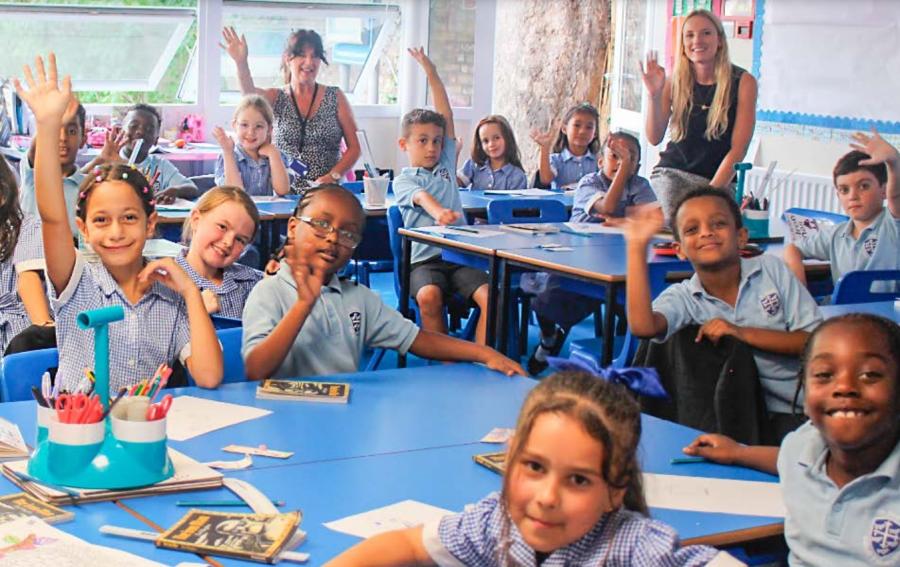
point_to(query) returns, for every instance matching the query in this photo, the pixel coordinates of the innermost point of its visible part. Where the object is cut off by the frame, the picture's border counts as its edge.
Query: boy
(755, 300)
(71, 138)
(870, 240)
(304, 321)
(427, 194)
(143, 122)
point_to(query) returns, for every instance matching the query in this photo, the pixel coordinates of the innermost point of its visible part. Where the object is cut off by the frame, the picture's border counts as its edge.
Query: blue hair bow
(643, 381)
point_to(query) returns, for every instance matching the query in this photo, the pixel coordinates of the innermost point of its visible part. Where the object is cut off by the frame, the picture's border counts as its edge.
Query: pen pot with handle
(756, 222)
(143, 440)
(44, 416)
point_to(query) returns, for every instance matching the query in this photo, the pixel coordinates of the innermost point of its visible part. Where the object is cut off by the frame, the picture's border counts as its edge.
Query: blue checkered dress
(237, 281)
(13, 318)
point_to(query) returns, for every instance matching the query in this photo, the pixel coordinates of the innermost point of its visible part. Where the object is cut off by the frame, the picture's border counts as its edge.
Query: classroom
(449, 282)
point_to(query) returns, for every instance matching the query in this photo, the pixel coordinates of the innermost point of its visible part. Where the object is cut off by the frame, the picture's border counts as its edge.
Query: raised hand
(545, 138)
(235, 45)
(626, 160)
(47, 100)
(168, 273)
(115, 140)
(307, 275)
(224, 140)
(878, 149)
(642, 223)
(418, 53)
(653, 75)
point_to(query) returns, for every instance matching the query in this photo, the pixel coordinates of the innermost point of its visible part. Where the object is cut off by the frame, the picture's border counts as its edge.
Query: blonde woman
(709, 106)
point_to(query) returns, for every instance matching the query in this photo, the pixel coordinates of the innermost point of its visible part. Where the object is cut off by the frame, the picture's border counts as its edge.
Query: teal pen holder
(111, 454)
(756, 223)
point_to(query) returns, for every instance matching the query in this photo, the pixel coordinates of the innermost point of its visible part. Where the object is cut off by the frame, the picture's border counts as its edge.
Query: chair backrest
(806, 222)
(505, 211)
(23, 370)
(395, 223)
(233, 362)
(856, 287)
(220, 322)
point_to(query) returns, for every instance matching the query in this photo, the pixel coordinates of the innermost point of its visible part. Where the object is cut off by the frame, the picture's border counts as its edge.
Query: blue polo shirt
(769, 297)
(169, 176)
(857, 525)
(877, 248)
(475, 176)
(595, 186)
(440, 183)
(345, 319)
(256, 175)
(28, 199)
(568, 169)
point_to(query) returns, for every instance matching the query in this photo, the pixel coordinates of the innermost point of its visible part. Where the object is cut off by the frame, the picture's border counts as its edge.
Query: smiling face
(220, 235)
(490, 136)
(580, 131)
(701, 39)
(71, 138)
(556, 491)
(861, 195)
(423, 144)
(115, 224)
(252, 129)
(851, 388)
(304, 65)
(335, 208)
(141, 125)
(708, 233)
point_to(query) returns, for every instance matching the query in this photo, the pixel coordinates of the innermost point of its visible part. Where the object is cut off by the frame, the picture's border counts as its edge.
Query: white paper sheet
(522, 192)
(592, 228)
(178, 204)
(11, 441)
(468, 231)
(270, 199)
(744, 497)
(399, 516)
(190, 416)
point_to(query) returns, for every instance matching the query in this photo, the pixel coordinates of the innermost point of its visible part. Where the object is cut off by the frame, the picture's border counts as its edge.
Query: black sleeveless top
(695, 154)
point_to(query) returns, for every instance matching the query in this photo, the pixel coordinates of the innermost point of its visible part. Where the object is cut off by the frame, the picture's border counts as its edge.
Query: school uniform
(29, 252)
(155, 330)
(169, 176)
(877, 248)
(482, 177)
(856, 525)
(621, 538)
(237, 281)
(345, 319)
(426, 267)
(256, 175)
(13, 317)
(595, 186)
(568, 169)
(28, 199)
(769, 297)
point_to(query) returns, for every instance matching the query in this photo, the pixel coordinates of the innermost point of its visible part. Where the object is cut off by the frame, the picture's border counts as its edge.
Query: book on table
(20, 505)
(304, 391)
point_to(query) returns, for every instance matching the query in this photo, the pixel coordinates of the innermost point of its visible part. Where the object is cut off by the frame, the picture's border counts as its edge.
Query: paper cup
(375, 191)
(131, 408)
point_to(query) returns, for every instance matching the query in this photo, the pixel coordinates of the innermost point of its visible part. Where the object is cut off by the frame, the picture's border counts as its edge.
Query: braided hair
(124, 172)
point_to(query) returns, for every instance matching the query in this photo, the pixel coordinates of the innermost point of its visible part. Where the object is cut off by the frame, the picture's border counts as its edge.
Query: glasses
(323, 228)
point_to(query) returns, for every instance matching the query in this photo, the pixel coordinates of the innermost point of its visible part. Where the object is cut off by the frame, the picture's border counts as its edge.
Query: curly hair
(10, 212)
(115, 172)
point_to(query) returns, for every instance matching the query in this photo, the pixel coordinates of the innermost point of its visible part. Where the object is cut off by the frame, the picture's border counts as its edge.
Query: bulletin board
(828, 64)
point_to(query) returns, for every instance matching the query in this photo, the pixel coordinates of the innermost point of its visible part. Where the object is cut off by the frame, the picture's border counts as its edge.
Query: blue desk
(476, 201)
(885, 309)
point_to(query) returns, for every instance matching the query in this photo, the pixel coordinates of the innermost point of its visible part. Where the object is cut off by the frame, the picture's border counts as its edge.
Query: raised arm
(744, 124)
(52, 105)
(607, 205)
(638, 230)
(236, 47)
(229, 163)
(438, 91)
(882, 152)
(544, 139)
(659, 90)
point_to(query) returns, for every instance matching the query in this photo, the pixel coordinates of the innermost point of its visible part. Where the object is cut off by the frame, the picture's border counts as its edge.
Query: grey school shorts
(451, 278)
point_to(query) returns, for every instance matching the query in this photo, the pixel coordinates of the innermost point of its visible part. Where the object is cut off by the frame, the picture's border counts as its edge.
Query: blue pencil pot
(756, 223)
(72, 446)
(44, 417)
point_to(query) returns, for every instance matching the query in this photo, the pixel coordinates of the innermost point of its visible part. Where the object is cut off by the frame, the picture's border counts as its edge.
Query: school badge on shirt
(445, 175)
(869, 245)
(884, 539)
(771, 303)
(356, 321)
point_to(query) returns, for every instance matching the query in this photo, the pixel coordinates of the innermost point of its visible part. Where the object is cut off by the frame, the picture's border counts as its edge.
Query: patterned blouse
(321, 148)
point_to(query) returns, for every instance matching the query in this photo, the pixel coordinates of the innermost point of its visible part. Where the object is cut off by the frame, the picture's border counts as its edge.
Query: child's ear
(402, 143)
(81, 226)
(151, 224)
(678, 251)
(743, 236)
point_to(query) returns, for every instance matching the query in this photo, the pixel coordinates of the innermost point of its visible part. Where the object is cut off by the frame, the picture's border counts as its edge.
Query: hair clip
(82, 195)
(146, 189)
(132, 166)
(124, 175)
(152, 202)
(97, 170)
(98, 178)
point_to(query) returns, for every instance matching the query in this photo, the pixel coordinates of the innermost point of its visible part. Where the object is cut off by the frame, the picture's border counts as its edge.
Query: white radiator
(787, 189)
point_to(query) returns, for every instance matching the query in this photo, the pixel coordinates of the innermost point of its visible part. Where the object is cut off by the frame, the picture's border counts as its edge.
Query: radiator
(792, 189)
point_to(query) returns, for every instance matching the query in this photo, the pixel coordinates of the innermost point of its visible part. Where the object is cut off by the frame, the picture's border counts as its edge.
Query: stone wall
(549, 55)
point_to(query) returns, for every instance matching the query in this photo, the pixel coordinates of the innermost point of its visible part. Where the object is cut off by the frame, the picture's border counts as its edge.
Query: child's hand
(545, 138)
(418, 53)
(308, 277)
(115, 140)
(224, 140)
(447, 217)
(717, 448)
(235, 46)
(653, 74)
(270, 151)
(167, 196)
(168, 273)
(500, 363)
(626, 160)
(47, 100)
(715, 329)
(878, 149)
(642, 223)
(210, 300)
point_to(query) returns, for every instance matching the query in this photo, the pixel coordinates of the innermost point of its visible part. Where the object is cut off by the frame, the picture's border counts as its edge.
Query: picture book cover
(13, 506)
(255, 537)
(495, 461)
(301, 390)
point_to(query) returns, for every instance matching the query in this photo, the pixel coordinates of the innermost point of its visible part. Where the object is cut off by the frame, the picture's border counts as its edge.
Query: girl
(838, 471)
(574, 503)
(164, 314)
(710, 105)
(574, 151)
(495, 162)
(253, 164)
(220, 227)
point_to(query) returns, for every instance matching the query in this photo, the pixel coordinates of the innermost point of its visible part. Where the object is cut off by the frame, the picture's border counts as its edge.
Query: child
(755, 300)
(601, 197)
(304, 321)
(495, 162)
(870, 240)
(164, 314)
(838, 471)
(427, 194)
(254, 164)
(580, 502)
(71, 138)
(221, 226)
(574, 151)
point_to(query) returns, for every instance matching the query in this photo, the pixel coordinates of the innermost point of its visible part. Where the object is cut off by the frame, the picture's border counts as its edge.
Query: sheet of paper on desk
(469, 231)
(521, 192)
(270, 199)
(592, 228)
(399, 516)
(12, 444)
(29, 541)
(191, 416)
(178, 204)
(743, 497)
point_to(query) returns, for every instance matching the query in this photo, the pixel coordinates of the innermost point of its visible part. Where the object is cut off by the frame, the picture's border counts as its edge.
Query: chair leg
(376, 359)
(598, 321)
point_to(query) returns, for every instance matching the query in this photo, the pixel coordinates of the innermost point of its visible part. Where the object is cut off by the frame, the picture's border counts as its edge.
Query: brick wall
(451, 45)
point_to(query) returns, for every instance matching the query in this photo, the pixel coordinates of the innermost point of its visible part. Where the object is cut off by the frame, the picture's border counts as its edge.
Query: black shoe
(536, 366)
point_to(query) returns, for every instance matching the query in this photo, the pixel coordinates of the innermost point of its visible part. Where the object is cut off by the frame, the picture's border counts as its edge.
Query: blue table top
(477, 201)
(606, 263)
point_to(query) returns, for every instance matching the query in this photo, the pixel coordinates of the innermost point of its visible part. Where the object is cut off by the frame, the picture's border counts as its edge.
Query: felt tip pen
(220, 503)
(686, 460)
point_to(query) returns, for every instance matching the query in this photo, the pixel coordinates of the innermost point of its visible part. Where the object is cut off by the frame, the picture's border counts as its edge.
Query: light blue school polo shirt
(483, 177)
(857, 525)
(877, 248)
(169, 176)
(28, 198)
(440, 183)
(769, 297)
(568, 169)
(594, 186)
(345, 319)
(256, 175)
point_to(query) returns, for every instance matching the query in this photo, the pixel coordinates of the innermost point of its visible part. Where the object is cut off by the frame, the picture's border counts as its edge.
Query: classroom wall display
(828, 64)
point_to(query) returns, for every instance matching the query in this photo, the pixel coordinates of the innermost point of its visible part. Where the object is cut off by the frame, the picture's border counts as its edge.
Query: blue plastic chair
(371, 256)
(856, 287)
(23, 370)
(232, 361)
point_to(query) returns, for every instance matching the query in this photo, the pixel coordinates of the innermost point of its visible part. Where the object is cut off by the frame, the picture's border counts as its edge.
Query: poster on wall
(827, 63)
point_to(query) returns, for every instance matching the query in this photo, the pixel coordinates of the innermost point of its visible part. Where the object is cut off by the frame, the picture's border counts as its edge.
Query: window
(451, 45)
(114, 53)
(634, 37)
